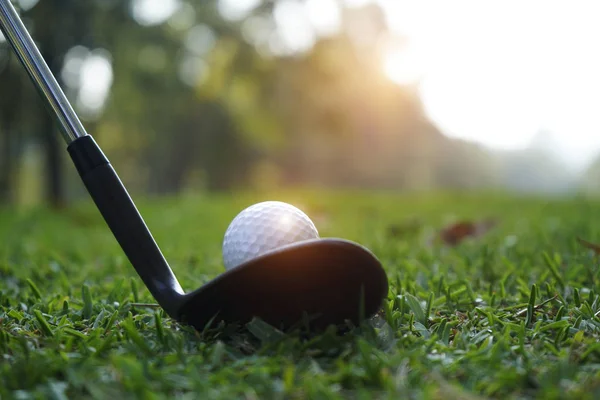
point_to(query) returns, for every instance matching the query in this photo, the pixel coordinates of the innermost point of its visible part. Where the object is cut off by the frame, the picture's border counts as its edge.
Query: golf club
(329, 280)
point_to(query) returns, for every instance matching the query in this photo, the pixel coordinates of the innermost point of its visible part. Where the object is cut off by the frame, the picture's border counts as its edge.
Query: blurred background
(224, 95)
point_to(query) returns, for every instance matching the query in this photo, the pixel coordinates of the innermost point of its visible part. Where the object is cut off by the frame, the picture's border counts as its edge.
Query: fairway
(509, 314)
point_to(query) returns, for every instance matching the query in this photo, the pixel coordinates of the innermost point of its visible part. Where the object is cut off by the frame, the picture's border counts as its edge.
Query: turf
(510, 314)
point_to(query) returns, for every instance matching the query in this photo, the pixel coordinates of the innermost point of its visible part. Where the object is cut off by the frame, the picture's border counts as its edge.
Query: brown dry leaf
(589, 245)
(457, 232)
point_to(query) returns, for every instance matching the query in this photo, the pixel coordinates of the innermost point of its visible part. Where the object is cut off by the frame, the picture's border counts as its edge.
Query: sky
(495, 72)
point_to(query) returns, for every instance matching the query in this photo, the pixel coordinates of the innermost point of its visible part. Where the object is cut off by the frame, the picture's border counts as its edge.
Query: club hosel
(126, 223)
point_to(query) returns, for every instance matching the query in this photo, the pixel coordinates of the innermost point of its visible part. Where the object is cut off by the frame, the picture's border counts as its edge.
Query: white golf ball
(263, 227)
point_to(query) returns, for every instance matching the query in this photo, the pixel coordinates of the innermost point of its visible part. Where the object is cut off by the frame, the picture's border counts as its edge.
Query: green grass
(512, 314)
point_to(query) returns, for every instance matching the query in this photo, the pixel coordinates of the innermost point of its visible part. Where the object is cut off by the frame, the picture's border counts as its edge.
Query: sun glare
(500, 72)
(402, 66)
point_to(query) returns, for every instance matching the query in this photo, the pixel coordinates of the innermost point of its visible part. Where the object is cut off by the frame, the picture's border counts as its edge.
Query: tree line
(200, 106)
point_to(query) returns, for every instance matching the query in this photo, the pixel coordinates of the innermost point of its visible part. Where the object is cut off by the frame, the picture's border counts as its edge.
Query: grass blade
(42, 323)
(531, 305)
(34, 289)
(86, 311)
(553, 270)
(415, 306)
(135, 337)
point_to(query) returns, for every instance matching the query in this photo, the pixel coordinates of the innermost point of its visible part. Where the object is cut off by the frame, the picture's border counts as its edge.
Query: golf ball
(263, 227)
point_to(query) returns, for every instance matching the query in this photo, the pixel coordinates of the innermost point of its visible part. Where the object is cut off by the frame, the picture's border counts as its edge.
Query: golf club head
(330, 281)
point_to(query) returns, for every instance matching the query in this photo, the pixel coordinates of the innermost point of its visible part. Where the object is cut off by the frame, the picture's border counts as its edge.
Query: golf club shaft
(100, 179)
(29, 55)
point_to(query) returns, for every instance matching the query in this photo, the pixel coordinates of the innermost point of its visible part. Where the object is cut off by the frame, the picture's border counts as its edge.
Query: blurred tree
(199, 100)
(167, 127)
(534, 170)
(9, 115)
(465, 165)
(42, 20)
(170, 100)
(346, 124)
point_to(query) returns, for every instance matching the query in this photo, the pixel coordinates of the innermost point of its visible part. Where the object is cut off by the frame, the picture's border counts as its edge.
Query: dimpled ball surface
(263, 227)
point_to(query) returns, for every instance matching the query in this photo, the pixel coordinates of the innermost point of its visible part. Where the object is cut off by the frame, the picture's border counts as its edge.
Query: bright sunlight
(402, 64)
(500, 72)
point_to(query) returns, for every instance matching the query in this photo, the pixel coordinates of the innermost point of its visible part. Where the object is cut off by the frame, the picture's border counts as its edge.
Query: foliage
(511, 314)
(196, 104)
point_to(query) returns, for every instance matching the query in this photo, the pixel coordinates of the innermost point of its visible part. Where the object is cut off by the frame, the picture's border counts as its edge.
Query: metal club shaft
(29, 55)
